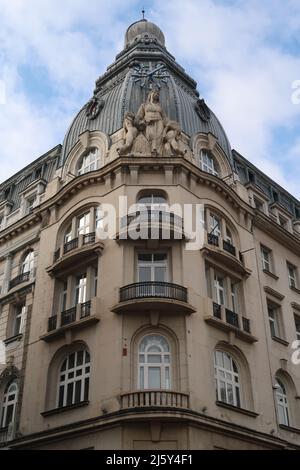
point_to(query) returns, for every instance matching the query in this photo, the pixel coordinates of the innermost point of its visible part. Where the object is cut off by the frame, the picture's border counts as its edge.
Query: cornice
(277, 232)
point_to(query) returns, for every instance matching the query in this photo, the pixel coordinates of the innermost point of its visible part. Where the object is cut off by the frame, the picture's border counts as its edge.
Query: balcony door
(154, 363)
(84, 224)
(153, 270)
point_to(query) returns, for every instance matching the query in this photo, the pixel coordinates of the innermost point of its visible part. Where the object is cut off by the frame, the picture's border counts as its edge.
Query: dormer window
(207, 163)
(30, 203)
(90, 162)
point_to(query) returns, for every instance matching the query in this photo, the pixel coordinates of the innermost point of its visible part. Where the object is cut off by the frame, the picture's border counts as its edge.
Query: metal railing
(142, 290)
(24, 277)
(89, 238)
(157, 398)
(69, 316)
(52, 323)
(217, 311)
(212, 239)
(85, 310)
(229, 248)
(153, 216)
(71, 245)
(3, 435)
(232, 318)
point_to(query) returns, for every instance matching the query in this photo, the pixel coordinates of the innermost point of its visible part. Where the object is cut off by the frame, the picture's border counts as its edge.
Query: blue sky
(244, 54)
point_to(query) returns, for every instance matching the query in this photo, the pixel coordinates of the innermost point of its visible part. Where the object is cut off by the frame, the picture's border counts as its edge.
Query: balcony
(154, 399)
(226, 320)
(151, 225)
(24, 277)
(3, 435)
(217, 249)
(141, 296)
(81, 316)
(84, 248)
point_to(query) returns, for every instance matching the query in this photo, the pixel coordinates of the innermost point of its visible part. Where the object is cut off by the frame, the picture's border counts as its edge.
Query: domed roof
(145, 65)
(145, 29)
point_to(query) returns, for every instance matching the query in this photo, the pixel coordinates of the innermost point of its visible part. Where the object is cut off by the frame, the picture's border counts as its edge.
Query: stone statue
(151, 118)
(130, 131)
(171, 135)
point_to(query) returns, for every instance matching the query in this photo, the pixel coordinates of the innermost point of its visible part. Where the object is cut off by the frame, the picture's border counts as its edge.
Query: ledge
(229, 260)
(12, 339)
(272, 275)
(289, 428)
(56, 411)
(236, 408)
(295, 305)
(280, 340)
(52, 335)
(274, 293)
(224, 326)
(295, 289)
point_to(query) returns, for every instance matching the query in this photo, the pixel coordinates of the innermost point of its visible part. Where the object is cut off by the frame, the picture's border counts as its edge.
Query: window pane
(86, 389)
(78, 392)
(154, 359)
(154, 378)
(144, 274)
(70, 394)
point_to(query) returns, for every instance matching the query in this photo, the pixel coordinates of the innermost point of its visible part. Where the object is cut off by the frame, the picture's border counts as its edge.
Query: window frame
(207, 163)
(8, 402)
(267, 262)
(221, 376)
(282, 402)
(86, 163)
(62, 395)
(164, 366)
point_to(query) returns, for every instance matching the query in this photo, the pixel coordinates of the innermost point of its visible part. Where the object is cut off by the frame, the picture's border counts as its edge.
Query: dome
(126, 84)
(143, 28)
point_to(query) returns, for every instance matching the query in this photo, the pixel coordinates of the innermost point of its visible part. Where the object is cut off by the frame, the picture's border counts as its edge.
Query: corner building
(138, 342)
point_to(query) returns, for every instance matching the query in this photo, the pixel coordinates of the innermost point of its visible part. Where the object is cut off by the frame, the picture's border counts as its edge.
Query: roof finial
(143, 13)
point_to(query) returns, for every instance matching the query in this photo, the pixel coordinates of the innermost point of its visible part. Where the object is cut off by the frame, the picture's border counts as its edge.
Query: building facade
(156, 328)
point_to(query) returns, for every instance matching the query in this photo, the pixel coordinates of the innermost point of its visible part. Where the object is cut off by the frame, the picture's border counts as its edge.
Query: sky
(244, 55)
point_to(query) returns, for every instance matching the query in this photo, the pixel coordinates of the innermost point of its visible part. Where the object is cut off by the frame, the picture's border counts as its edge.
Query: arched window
(28, 263)
(227, 379)
(10, 401)
(282, 403)
(207, 163)
(90, 162)
(154, 369)
(74, 379)
(152, 201)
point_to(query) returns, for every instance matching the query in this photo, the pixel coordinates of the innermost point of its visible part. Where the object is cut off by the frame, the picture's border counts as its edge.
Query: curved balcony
(151, 224)
(85, 247)
(154, 398)
(153, 296)
(223, 251)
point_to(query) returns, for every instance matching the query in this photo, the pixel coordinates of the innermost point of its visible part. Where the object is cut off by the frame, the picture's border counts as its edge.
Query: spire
(143, 13)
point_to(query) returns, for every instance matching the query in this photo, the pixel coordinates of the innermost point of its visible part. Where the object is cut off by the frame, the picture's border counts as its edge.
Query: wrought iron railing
(4, 435)
(24, 277)
(142, 290)
(52, 323)
(69, 316)
(232, 318)
(153, 216)
(85, 310)
(229, 248)
(212, 239)
(89, 238)
(154, 398)
(70, 246)
(217, 311)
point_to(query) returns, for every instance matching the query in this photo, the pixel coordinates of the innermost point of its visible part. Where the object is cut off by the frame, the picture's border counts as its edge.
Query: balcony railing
(89, 238)
(85, 310)
(232, 318)
(229, 248)
(69, 316)
(3, 435)
(154, 398)
(52, 323)
(71, 245)
(141, 290)
(212, 239)
(217, 311)
(24, 277)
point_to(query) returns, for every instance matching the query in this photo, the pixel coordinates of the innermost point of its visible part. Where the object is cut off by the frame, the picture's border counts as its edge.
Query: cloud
(244, 55)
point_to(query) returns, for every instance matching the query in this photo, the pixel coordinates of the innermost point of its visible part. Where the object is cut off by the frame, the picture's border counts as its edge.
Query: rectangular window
(274, 321)
(297, 326)
(220, 292)
(258, 204)
(266, 259)
(95, 282)
(1, 222)
(81, 289)
(83, 224)
(30, 204)
(63, 296)
(19, 313)
(152, 267)
(292, 274)
(282, 222)
(214, 225)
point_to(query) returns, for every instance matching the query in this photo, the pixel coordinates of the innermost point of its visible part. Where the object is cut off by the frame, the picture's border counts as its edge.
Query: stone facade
(123, 343)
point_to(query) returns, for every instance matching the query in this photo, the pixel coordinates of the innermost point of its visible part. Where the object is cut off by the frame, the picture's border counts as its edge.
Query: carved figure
(171, 135)
(151, 117)
(130, 131)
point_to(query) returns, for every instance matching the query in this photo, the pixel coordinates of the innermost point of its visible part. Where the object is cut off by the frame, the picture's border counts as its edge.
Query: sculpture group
(150, 130)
